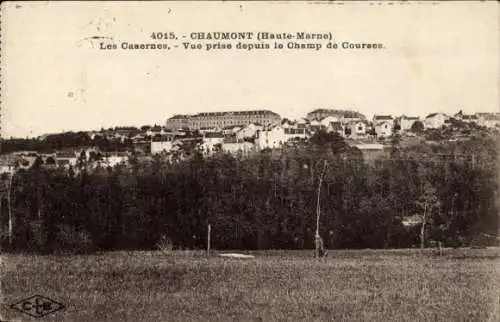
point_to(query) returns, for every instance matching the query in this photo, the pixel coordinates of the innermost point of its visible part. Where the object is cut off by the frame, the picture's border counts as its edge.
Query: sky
(437, 58)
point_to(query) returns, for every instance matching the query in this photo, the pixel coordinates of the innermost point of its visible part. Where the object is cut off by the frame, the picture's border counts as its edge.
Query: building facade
(383, 125)
(489, 120)
(271, 138)
(435, 120)
(158, 147)
(406, 122)
(295, 134)
(224, 119)
(232, 145)
(357, 128)
(212, 142)
(329, 119)
(336, 127)
(384, 129)
(249, 131)
(177, 122)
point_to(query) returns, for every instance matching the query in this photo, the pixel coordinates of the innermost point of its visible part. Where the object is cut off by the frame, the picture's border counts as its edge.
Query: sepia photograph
(249, 161)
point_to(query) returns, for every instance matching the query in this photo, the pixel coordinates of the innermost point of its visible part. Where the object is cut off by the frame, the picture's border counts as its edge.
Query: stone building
(177, 122)
(221, 120)
(224, 119)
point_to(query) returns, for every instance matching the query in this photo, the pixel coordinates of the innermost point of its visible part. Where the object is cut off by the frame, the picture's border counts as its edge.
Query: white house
(205, 130)
(406, 122)
(115, 158)
(382, 118)
(291, 134)
(357, 128)
(468, 118)
(210, 142)
(383, 125)
(273, 137)
(384, 129)
(315, 123)
(248, 131)
(213, 138)
(435, 120)
(329, 119)
(231, 129)
(336, 127)
(158, 147)
(66, 158)
(489, 120)
(232, 145)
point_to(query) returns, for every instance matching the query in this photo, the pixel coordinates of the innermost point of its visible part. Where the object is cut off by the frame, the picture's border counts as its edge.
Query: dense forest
(266, 201)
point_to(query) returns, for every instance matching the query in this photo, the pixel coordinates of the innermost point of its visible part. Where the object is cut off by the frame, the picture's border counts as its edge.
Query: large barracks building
(222, 119)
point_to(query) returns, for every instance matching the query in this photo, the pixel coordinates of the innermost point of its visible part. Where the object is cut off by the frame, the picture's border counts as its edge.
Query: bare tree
(318, 241)
(427, 202)
(10, 203)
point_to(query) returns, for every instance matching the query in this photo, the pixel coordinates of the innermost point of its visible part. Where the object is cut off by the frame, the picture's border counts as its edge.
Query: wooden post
(208, 238)
(440, 248)
(9, 201)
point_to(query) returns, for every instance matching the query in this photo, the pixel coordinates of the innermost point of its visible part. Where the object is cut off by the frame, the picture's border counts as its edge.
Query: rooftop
(434, 114)
(214, 135)
(336, 126)
(230, 127)
(469, 117)
(409, 117)
(179, 116)
(252, 112)
(382, 117)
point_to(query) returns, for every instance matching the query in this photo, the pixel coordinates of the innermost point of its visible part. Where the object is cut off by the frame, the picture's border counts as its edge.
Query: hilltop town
(242, 133)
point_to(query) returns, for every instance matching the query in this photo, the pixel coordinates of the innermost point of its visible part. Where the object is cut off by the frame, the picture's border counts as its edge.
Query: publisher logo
(37, 306)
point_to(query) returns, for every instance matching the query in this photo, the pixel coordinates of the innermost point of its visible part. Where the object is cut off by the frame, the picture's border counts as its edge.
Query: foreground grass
(276, 286)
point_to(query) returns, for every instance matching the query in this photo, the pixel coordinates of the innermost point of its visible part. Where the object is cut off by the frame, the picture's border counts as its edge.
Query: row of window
(207, 123)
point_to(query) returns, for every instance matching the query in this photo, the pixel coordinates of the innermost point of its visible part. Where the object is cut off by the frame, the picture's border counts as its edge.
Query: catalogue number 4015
(163, 35)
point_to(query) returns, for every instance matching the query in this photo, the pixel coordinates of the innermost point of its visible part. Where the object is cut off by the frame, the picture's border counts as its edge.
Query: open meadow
(365, 285)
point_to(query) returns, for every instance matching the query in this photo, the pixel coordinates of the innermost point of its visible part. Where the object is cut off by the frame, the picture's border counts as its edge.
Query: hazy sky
(438, 58)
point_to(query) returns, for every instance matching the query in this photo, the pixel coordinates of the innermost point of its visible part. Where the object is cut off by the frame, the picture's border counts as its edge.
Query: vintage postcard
(249, 161)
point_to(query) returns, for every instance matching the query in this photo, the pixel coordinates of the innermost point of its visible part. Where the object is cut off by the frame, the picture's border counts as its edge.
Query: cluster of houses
(367, 135)
(253, 136)
(136, 135)
(356, 129)
(65, 158)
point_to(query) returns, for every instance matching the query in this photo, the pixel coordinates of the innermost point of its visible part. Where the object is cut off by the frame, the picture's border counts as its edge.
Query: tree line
(68, 140)
(264, 201)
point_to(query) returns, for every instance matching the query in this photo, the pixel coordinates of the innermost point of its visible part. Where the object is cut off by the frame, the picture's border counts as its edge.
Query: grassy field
(399, 285)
